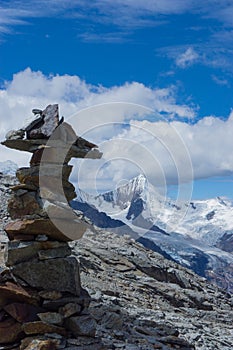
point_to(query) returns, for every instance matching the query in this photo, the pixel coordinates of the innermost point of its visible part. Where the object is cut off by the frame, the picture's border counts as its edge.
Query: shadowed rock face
(38, 267)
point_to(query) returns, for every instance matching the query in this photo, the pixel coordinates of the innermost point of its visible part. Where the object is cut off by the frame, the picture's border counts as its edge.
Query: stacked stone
(42, 303)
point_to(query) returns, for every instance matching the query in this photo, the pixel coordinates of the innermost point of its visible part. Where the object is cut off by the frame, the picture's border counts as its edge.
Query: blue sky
(173, 56)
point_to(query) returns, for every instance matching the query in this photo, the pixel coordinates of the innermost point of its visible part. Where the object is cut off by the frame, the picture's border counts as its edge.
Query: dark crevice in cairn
(42, 303)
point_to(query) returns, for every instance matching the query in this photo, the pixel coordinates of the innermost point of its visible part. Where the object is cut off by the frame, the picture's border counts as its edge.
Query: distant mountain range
(198, 234)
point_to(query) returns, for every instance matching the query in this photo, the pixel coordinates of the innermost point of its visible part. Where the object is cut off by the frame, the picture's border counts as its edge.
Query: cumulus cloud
(134, 126)
(30, 89)
(187, 58)
(167, 153)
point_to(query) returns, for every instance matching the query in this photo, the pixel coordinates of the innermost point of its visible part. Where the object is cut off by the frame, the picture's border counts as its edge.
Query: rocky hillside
(143, 301)
(140, 300)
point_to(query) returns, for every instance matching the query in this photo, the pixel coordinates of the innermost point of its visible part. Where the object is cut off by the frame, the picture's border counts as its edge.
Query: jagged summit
(202, 238)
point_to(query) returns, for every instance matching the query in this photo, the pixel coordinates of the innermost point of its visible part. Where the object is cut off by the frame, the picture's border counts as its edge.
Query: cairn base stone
(61, 274)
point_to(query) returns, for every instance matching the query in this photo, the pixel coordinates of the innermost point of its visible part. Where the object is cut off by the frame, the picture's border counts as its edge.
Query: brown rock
(81, 325)
(35, 227)
(11, 292)
(36, 157)
(26, 204)
(40, 327)
(21, 237)
(61, 274)
(68, 230)
(23, 312)
(10, 331)
(31, 175)
(74, 151)
(24, 187)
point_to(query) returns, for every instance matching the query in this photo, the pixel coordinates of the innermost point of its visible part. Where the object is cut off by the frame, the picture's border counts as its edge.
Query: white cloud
(167, 153)
(30, 89)
(127, 123)
(187, 58)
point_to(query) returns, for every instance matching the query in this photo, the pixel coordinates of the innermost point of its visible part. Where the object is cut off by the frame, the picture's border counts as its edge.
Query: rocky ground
(143, 301)
(140, 300)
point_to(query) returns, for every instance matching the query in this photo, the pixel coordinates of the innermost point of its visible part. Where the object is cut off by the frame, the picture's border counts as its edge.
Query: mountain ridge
(203, 240)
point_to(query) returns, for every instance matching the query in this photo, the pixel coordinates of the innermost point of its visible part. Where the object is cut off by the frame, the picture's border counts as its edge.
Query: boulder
(61, 274)
(81, 325)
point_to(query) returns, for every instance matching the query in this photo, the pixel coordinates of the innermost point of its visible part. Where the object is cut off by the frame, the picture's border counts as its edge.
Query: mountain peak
(136, 185)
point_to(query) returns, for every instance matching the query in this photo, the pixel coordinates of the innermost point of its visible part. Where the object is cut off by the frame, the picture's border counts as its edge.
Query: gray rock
(50, 120)
(15, 134)
(51, 317)
(32, 124)
(81, 325)
(70, 309)
(59, 252)
(61, 274)
(17, 252)
(37, 111)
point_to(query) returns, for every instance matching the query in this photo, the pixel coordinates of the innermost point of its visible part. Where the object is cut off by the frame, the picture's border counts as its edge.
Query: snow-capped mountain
(8, 167)
(198, 234)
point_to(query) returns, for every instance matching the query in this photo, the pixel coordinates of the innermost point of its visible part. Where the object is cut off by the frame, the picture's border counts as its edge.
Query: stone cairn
(42, 303)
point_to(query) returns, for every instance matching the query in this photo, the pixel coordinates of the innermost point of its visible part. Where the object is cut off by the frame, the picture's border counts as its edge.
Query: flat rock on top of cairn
(38, 260)
(45, 125)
